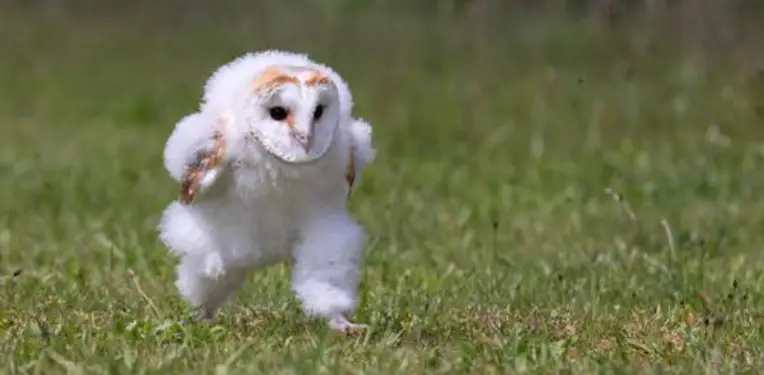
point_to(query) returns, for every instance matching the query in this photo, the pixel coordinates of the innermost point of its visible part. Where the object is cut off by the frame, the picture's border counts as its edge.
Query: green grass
(498, 242)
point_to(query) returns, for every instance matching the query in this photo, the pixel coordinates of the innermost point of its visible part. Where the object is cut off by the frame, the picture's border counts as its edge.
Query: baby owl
(266, 167)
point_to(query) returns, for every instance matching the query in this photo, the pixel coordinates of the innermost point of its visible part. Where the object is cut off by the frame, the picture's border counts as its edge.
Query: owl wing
(361, 151)
(194, 153)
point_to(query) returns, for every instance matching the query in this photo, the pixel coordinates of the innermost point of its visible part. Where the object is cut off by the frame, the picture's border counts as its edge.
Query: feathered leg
(203, 288)
(326, 269)
(204, 278)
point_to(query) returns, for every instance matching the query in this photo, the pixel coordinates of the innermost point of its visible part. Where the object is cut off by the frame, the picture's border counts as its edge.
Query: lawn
(545, 199)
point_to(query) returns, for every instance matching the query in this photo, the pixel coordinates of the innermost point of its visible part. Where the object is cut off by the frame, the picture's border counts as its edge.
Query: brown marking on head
(272, 77)
(317, 78)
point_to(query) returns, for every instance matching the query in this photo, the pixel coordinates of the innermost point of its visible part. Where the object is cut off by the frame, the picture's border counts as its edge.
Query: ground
(537, 205)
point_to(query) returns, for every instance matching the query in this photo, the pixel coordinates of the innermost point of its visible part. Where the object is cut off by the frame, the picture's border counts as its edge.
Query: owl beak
(304, 140)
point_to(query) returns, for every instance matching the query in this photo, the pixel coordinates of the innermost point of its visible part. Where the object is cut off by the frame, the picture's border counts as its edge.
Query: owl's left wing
(361, 151)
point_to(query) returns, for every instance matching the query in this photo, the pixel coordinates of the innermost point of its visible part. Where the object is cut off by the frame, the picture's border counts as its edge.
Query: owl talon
(203, 315)
(341, 324)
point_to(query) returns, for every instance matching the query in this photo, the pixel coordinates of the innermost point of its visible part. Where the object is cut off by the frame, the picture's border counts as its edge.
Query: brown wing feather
(206, 162)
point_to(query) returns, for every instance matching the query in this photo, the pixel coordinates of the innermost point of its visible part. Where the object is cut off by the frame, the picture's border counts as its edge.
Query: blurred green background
(499, 126)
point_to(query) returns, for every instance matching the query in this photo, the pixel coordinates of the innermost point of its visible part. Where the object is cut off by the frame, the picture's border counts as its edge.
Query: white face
(293, 112)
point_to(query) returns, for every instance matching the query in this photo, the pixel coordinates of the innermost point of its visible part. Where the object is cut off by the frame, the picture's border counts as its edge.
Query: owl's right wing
(361, 151)
(193, 154)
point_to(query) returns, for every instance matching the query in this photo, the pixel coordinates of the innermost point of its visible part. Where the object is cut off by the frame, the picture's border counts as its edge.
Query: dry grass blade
(622, 203)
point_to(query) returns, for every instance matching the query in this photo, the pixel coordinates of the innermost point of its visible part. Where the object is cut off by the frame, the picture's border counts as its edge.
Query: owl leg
(203, 277)
(325, 274)
(205, 285)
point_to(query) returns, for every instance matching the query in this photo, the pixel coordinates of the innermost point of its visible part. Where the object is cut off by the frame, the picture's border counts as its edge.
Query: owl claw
(204, 315)
(342, 324)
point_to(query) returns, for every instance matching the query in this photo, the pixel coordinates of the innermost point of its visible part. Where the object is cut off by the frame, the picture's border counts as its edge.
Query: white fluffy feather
(360, 133)
(256, 209)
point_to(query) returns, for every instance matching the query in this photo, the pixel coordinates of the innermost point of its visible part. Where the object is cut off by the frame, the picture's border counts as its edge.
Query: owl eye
(318, 112)
(278, 113)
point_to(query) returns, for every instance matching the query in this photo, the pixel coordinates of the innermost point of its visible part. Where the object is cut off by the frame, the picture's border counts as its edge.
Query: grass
(541, 203)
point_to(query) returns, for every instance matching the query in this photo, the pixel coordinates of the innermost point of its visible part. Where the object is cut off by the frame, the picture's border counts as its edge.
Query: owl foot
(198, 317)
(203, 315)
(342, 324)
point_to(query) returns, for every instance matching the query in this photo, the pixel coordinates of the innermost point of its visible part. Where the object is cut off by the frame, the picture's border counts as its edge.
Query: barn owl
(265, 168)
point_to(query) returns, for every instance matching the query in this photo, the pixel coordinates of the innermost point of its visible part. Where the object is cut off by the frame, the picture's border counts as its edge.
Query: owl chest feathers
(262, 203)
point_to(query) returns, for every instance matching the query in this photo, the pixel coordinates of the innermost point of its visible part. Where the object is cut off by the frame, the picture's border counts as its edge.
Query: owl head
(289, 104)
